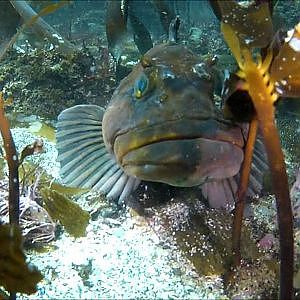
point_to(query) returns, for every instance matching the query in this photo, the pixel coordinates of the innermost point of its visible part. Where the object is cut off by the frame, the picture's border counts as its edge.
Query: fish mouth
(181, 152)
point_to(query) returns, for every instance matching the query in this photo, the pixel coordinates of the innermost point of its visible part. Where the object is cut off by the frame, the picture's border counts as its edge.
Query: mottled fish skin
(161, 125)
(172, 132)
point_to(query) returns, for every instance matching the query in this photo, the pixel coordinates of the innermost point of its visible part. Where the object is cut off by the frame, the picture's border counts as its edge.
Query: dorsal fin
(173, 29)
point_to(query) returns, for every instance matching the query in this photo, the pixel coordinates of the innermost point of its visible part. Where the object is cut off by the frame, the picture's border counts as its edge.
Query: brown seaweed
(265, 80)
(116, 26)
(262, 82)
(253, 26)
(71, 215)
(13, 165)
(15, 274)
(241, 193)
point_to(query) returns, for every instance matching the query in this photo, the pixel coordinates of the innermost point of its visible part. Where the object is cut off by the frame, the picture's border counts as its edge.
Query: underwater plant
(16, 276)
(33, 19)
(278, 74)
(13, 165)
(37, 226)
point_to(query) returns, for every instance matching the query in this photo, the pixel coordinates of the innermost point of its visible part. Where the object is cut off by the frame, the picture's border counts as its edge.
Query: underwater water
(128, 138)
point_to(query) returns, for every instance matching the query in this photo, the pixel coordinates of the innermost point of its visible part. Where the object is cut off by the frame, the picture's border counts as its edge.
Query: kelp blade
(252, 22)
(15, 275)
(285, 69)
(71, 215)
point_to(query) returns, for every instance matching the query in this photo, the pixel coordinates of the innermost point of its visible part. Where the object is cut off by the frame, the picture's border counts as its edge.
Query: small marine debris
(37, 226)
(35, 148)
(267, 242)
(16, 276)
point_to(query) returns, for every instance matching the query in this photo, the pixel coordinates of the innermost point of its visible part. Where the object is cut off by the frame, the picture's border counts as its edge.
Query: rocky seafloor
(120, 256)
(124, 254)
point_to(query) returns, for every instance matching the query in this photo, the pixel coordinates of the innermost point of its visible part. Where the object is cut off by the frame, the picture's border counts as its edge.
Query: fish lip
(125, 131)
(225, 136)
(169, 140)
(198, 161)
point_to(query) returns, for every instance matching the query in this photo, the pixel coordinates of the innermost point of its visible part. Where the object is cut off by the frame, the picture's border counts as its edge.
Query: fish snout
(181, 153)
(184, 162)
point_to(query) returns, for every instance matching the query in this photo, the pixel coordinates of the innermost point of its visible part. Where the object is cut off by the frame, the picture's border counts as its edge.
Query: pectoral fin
(83, 156)
(222, 193)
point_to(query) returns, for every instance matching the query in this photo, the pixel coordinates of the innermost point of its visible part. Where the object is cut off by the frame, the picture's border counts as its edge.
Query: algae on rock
(44, 82)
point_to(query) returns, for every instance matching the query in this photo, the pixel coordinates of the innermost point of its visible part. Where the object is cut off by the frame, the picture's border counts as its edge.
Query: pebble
(121, 266)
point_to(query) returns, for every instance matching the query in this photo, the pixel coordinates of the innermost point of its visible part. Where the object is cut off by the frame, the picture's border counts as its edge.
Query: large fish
(161, 125)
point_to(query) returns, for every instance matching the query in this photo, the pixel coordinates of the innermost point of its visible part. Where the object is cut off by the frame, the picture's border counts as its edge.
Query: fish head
(162, 124)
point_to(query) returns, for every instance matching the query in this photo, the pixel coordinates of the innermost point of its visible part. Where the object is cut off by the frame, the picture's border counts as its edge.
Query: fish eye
(140, 87)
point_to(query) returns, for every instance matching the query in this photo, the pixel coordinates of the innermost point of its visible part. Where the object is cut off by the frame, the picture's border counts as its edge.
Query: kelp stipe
(33, 19)
(246, 27)
(15, 275)
(241, 192)
(13, 165)
(261, 86)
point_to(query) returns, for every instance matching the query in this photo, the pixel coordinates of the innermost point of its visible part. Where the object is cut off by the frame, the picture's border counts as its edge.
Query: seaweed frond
(71, 215)
(15, 274)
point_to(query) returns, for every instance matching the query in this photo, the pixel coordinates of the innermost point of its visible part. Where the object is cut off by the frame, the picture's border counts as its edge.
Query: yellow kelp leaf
(285, 69)
(47, 10)
(29, 172)
(233, 42)
(67, 190)
(297, 280)
(250, 21)
(43, 130)
(15, 275)
(70, 214)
